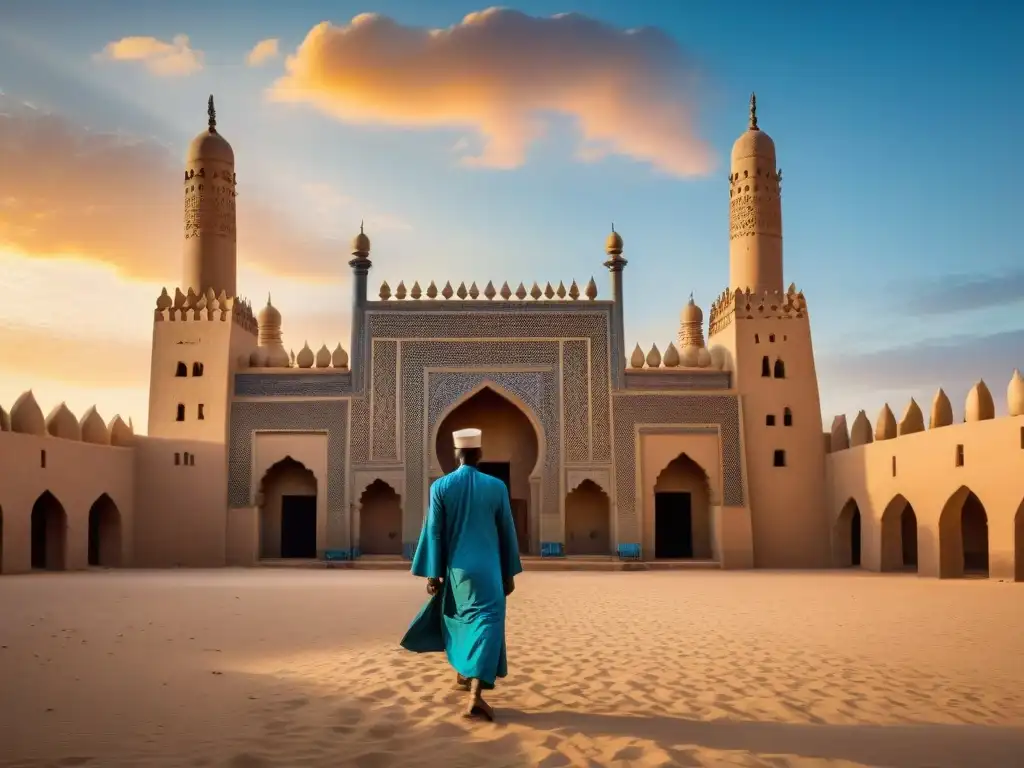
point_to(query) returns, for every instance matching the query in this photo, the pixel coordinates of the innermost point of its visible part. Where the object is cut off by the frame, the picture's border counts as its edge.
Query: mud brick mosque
(712, 451)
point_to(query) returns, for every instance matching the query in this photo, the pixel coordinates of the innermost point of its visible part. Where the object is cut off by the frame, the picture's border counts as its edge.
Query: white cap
(467, 438)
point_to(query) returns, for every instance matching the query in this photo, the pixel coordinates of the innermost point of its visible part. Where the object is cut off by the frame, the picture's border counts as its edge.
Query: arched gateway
(512, 450)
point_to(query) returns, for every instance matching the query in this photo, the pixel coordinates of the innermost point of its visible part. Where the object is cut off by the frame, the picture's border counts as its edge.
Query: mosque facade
(711, 451)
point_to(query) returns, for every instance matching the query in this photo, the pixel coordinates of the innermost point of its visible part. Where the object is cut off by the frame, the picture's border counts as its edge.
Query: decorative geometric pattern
(676, 380)
(385, 400)
(510, 320)
(359, 446)
(576, 401)
(504, 321)
(631, 410)
(330, 416)
(537, 389)
(293, 384)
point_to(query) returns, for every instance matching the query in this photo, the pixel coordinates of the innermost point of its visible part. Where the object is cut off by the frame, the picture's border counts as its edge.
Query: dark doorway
(908, 533)
(855, 538)
(673, 524)
(38, 541)
(94, 538)
(503, 471)
(298, 526)
(499, 469)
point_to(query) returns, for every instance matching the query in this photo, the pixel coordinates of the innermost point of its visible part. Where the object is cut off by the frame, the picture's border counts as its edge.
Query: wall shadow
(895, 746)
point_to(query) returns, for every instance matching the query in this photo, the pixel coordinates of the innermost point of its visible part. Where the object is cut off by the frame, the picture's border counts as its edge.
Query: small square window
(779, 458)
(769, 420)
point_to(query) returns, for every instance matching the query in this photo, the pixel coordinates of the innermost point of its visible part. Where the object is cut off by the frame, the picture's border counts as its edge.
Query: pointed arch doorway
(512, 451)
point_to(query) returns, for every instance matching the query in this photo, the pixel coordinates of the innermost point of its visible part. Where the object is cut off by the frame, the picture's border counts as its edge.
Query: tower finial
(613, 226)
(753, 112)
(268, 299)
(361, 227)
(212, 114)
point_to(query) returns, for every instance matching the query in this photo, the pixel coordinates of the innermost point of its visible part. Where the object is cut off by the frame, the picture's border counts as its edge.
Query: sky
(500, 144)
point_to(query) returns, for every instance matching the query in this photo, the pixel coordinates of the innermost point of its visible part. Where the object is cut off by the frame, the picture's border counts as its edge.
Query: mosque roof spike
(753, 112)
(211, 113)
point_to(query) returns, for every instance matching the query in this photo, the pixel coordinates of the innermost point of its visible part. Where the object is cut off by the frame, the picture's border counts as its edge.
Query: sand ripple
(252, 669)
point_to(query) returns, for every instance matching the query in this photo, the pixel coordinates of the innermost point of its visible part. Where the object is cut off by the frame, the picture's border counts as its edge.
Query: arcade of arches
(587, 520)
(679, 524)
(288, 511)
(963, 537)
(510, 449)
(380, 520)
(49, 540)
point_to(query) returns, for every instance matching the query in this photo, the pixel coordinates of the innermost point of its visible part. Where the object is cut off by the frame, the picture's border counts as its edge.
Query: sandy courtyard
(253, 668)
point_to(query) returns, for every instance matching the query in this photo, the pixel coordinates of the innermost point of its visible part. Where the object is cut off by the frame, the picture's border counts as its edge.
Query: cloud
(66, 191)
(504, 74)
(262, 52)
(172, 59)
(964, 292)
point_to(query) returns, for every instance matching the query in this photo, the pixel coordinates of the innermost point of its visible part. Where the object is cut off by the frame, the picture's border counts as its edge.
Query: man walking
(469, 554)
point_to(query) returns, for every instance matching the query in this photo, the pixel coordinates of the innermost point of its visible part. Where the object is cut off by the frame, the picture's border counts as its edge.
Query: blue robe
(469, 540)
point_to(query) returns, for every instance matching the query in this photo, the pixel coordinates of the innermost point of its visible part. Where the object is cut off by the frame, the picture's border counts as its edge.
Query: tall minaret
(615, 265)
(360, 263)
(755, 212)
(210, 212)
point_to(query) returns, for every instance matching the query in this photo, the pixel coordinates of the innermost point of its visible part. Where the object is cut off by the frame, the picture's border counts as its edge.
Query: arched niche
(380, 520)
(289, 511)
(846, 536)
(105, 536)
(513, 449)
(49, 534)
(588, 529)
(963, 536)
(678, 526)
(899, 536)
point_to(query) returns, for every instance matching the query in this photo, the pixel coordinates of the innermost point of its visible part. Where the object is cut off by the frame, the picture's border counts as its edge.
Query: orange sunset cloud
(503, 73)
(262, 52)
(161, 58)
(117, 200)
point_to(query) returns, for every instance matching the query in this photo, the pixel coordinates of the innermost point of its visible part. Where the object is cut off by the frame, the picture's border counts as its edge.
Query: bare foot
(477, 707)
(461, 683)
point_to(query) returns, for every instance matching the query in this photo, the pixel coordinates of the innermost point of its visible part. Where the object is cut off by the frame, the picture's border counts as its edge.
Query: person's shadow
(893, 746)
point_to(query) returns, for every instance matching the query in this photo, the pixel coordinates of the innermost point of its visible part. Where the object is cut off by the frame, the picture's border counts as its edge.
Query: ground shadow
(895, 746)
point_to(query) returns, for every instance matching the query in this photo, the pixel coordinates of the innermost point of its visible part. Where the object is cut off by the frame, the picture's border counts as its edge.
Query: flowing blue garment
(469, 540)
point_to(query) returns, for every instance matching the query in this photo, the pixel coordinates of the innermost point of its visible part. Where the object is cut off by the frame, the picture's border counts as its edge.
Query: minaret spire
(753, 111)
(212, 114)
